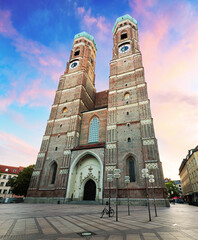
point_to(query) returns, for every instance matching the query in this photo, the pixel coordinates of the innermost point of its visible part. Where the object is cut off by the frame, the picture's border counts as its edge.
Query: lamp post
(127, 181)
(109, 180)
(145, 175)
(152, 180)
(116, 176)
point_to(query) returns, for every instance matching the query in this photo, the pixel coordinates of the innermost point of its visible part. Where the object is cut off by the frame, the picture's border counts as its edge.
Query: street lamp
(109, 180)
(152, 180)
(116, 176)
(127, 181)
(146, 175)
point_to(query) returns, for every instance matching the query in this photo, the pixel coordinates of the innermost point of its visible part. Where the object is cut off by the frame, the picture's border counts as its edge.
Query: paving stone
(64, 222)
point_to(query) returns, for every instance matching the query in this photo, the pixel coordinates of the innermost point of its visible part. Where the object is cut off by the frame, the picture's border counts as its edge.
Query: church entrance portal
(89, 190)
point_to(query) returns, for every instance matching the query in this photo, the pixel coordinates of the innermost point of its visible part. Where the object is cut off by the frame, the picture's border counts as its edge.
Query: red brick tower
(131, 144)
(75, 94)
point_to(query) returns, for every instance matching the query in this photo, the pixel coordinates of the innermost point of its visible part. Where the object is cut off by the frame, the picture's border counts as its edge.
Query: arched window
(129, 139)
(94, 130)
(77, 53)
(131, 168)
(126, 96)
(64, 110)
(123, 36)
(53, 171)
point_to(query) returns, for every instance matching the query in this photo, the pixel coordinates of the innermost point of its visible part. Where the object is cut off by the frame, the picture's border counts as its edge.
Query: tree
(172, 189)
(19, 185)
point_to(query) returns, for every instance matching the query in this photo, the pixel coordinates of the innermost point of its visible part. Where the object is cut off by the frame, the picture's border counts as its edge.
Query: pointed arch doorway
(89, 190)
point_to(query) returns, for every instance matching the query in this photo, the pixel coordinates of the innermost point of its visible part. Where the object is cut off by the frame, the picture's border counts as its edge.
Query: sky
(36, 38)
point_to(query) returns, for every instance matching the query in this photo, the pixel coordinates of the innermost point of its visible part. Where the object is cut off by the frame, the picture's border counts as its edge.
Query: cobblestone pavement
(63, 222)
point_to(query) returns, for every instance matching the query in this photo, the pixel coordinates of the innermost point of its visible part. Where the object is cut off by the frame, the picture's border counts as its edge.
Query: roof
(10, 169)
(85, 34)
(127, 16)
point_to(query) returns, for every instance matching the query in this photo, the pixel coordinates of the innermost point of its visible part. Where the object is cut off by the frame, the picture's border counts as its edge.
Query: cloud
(34, 94)
(6, 27)
(98, 26)
(13, 150)
(80, 10)
(47, 63)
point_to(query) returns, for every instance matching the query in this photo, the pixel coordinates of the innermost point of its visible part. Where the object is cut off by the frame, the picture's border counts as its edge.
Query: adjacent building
(90, 134)
(7, 172)
(188, 172)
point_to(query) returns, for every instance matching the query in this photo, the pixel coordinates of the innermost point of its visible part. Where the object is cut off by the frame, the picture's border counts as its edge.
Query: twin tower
(89, 133)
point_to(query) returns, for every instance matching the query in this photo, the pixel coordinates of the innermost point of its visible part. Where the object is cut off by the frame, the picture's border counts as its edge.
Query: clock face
(124, 48)
(73, 65)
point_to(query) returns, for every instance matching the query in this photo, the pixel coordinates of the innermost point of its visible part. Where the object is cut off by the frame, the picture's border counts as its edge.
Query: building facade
(89, 133)
(188, 172)
(6, 173)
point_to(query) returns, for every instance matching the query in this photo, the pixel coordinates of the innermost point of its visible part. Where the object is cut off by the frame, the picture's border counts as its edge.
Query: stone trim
(111, 127)
(71, 134)
(110, 168)
(143, 102)
(46, 137)
(110, 146)
(148, 142)
(63, 171)
(41, 154)
(67, 152)
(146, 121)
(36, 173)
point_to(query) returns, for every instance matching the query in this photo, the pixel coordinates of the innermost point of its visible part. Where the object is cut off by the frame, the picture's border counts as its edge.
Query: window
(4, 176)
(129, 139)
(127, 113)
(56, 148)
(6, 170)
(58, 135)
(61, 125)
(4, 191)
(123, 36)
(128, 124)
(64, 110)
(126, 96)
(94, 130)
(14, 170)
(131, 168)
(53, 172)
(2, 183)
(77, 53)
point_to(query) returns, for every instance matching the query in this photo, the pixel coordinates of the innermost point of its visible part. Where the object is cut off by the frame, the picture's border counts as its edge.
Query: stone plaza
(66, 221)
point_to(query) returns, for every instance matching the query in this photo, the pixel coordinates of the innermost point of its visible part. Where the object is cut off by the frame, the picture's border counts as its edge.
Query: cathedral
(89, 134)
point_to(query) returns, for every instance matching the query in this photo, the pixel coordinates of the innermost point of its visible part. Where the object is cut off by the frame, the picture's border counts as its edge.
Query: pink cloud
(6, 101)
(15, 150)
(141, 7)
(36, 95)
(97, 26)
(6, 28)
(80, 10)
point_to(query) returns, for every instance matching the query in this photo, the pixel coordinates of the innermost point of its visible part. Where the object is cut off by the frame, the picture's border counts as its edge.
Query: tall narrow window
(131, 169)
(94, 130)
(53, 172)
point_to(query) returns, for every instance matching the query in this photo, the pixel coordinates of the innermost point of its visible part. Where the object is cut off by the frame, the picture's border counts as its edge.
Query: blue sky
(35, 43)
